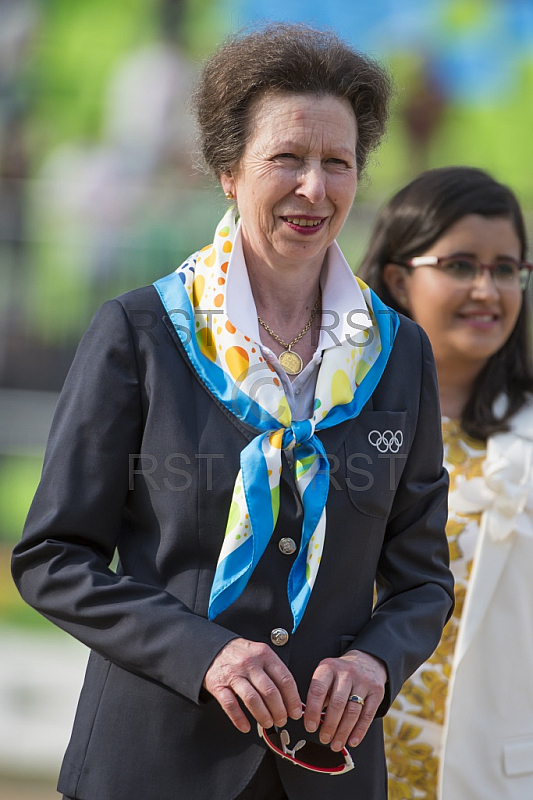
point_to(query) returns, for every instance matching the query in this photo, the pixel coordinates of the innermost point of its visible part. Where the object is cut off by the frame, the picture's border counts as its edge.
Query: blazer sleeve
(415, 587)
(61, 566)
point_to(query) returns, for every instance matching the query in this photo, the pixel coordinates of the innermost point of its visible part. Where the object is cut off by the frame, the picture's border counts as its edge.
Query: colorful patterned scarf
(235, 372)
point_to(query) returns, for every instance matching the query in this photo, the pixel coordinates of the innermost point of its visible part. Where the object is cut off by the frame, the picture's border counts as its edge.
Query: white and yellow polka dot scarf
(233, 369)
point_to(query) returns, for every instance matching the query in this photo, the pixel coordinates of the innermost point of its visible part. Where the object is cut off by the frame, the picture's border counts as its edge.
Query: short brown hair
(286, 58)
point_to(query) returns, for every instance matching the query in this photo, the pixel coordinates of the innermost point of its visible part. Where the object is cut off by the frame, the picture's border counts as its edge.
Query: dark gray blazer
(145, 729)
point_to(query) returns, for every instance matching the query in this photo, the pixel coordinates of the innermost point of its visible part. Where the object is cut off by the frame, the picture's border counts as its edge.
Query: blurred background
(99, 194)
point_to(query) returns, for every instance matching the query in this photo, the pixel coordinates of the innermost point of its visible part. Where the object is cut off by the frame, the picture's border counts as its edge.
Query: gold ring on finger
(355, 698)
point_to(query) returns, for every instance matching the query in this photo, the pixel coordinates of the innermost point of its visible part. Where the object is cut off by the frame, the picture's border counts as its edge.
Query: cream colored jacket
(488, 751)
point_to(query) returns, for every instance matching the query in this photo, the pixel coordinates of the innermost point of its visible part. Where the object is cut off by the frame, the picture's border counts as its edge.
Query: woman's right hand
(252, 672)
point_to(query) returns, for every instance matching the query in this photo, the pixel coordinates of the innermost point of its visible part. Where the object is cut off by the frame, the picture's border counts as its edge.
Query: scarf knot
(298, 433)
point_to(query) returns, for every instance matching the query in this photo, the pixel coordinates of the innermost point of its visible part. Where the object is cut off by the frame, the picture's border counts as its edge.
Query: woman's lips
(482, 321)
(305, 225)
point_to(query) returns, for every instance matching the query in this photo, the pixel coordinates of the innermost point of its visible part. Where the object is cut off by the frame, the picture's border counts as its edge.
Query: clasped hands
(252, 672)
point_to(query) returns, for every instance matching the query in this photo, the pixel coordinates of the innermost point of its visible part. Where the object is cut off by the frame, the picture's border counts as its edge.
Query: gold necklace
(289, 360)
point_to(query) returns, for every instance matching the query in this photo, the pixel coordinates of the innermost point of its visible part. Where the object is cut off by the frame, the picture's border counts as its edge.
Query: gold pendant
(291, 362)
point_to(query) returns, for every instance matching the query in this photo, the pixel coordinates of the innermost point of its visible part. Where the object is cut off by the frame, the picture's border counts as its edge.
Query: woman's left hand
(334, 681)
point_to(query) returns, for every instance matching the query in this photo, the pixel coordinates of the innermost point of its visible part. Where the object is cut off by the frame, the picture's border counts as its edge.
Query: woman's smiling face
(465, 322)
(296, 181)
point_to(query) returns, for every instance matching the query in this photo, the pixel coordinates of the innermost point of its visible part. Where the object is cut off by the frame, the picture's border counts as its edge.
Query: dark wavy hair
(284, 57)
(408, 225)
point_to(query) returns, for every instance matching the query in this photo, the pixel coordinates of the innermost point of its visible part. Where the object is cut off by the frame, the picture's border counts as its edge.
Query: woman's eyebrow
(288, 146)
(473, 255)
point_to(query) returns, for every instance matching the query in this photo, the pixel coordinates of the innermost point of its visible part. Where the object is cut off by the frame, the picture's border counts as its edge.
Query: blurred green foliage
(75, 49)
(495, 137)
(19, 476)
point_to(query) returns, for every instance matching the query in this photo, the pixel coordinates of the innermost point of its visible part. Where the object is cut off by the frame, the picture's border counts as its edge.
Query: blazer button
(279, 637)
(287, 546)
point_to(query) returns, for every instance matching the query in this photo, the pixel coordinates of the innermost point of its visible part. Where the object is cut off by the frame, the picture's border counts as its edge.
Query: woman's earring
(229, 195)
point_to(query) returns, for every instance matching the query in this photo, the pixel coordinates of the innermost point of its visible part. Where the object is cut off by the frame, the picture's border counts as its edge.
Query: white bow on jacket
(504, 491)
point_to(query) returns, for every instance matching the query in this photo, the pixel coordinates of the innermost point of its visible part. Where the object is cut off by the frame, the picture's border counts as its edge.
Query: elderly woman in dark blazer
(251, 435)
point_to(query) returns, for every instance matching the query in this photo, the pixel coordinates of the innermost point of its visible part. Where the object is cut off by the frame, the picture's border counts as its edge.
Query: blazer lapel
(490, 558)
(249, 433)
(333, 438)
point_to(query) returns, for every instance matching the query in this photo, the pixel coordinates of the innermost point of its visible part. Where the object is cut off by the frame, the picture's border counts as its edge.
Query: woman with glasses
(449, 251)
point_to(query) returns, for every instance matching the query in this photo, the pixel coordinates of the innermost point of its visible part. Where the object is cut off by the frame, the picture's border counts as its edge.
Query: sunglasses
(306, 754)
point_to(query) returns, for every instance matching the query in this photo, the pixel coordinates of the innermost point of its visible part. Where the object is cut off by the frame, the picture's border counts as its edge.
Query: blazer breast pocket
(376, 452)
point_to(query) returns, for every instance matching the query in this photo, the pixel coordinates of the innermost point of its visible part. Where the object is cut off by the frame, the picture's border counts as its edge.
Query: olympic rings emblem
(386, 442)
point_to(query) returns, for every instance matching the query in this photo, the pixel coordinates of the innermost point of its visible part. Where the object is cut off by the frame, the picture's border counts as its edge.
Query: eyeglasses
(506, 274)
(315, 756)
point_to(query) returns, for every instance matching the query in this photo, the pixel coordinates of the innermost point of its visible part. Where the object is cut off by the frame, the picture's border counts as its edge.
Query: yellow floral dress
(414, 725)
